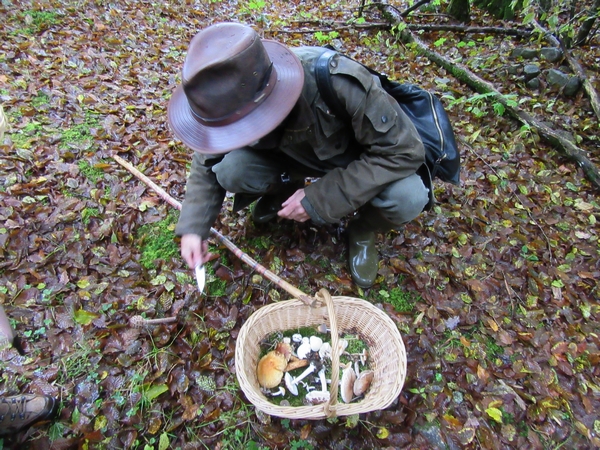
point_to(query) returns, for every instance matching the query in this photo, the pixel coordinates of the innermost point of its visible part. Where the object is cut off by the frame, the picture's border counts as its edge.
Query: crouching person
(251, 110)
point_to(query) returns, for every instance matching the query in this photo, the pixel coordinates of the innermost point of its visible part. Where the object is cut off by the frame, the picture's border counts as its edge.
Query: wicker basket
(387, 355)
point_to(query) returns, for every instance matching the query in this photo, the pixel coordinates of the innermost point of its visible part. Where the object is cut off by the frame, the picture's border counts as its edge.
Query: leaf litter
(502, 338)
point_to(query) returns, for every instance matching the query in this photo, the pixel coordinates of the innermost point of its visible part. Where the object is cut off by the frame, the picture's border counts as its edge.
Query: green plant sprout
(326, 37)
(402, 300)
(477, 104)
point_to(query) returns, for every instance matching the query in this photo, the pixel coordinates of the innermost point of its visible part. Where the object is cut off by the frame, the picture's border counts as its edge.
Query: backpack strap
(323, 78)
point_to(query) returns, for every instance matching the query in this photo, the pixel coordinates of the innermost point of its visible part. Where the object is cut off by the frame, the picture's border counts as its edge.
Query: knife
(200, 276)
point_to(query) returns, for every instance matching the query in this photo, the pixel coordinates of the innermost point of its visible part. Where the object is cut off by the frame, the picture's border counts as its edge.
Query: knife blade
(200, 277)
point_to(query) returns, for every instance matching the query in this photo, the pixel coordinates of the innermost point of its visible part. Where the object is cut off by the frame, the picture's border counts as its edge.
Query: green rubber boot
(363, 259)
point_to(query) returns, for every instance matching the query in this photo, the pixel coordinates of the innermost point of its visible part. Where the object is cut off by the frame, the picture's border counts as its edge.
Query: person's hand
(292, 208)
(193, 250)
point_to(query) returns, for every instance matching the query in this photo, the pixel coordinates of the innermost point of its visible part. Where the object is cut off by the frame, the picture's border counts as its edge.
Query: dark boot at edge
(21, 411)
(267, 207)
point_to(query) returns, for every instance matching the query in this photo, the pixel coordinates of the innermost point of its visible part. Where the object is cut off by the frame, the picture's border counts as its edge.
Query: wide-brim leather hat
(235, 89)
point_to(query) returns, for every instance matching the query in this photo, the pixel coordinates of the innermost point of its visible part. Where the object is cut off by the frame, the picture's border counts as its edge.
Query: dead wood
(472, 30)
(565, 146)
(327, 26)
(587, 25)
(574, 64)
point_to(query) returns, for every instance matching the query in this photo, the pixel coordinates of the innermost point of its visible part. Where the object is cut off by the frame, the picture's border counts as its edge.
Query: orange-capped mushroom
(271, 366)
(270, 369)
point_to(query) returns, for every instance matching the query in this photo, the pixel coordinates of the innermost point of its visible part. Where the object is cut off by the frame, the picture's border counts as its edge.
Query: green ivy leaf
(163, 443)
(83, 317)
(495, 414)
(154, 391)
(82, 284)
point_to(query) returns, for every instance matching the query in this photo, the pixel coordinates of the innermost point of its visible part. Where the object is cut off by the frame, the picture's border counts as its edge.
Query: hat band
(260, 97)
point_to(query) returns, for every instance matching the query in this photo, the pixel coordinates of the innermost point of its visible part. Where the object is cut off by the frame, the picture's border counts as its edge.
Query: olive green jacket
(354, 161)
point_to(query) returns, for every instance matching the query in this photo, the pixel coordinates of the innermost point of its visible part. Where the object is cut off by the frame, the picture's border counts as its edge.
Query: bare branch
(414, 7)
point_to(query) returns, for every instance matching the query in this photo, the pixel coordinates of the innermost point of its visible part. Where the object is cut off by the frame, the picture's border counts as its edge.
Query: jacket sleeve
(203, 198)
(391, 147)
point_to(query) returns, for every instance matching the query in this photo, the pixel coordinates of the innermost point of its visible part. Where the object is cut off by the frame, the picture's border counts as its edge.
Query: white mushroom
(303, 350)
(287, 340)
(280, 391)
(323, 329)
(342, 345)
(363, 356)
(307, 386)
(325, 350)
(290, 384)
(318, 397)
(315, 343)
(297, 337)
(347, 383)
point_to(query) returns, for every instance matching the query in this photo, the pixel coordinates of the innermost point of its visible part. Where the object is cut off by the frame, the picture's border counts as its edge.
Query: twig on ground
(140, 322)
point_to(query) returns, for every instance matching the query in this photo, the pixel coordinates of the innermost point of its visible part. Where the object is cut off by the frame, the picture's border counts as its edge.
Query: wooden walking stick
(254, 265)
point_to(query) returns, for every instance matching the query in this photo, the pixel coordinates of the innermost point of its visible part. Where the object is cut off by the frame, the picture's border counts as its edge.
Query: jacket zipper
(439, 129)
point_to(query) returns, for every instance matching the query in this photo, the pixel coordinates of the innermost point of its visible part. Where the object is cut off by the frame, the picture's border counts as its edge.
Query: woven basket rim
(344, 306)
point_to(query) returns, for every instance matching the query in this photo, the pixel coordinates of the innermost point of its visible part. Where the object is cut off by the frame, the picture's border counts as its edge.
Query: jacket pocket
(380, 111)
(331, 136)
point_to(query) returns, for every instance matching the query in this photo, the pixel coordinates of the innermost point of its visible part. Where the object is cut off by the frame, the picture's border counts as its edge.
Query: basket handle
(329, 407)
(254, 265)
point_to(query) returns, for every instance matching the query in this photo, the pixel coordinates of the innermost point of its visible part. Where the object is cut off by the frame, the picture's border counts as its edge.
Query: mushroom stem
(310, 369)
(323, 379)
(139, 321)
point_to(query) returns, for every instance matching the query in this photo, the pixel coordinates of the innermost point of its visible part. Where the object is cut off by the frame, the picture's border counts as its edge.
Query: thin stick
(139, 321)
(254, 265)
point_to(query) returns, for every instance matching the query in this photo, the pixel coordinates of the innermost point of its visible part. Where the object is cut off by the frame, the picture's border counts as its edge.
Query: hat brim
(253, 126)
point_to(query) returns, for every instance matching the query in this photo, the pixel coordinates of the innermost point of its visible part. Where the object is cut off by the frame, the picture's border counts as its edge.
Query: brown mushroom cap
(363, 382)
(347, 384)
(285, 349)
(317, 397)
(270, 369)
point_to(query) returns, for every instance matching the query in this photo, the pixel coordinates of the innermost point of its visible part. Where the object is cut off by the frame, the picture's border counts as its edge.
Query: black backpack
(423, 108)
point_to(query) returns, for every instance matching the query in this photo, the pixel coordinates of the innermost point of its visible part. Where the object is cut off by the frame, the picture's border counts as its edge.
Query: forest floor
(494, 291)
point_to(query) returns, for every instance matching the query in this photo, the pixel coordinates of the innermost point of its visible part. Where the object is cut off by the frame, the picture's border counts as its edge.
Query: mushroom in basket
(272, 366)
